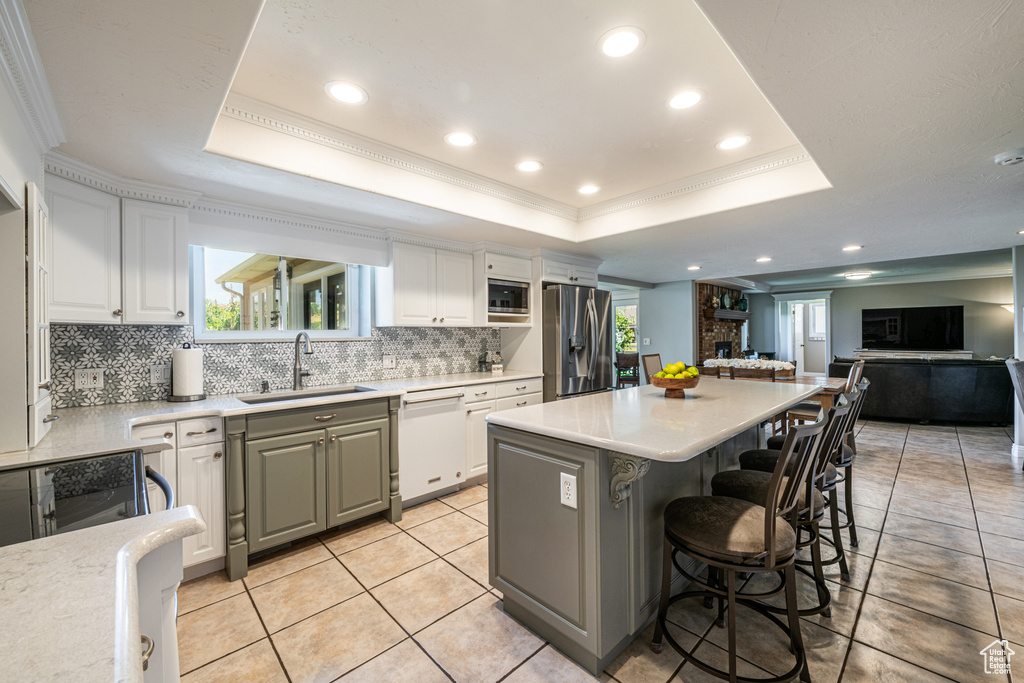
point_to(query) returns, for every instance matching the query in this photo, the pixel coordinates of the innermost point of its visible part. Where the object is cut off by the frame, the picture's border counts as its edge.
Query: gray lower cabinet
(286, 488)
(357, 471)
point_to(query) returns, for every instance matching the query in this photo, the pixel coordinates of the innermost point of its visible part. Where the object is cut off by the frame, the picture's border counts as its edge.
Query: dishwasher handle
(430, 400)
(162, 484)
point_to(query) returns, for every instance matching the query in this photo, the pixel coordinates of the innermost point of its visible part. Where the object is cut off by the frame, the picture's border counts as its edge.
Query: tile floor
(938, 575)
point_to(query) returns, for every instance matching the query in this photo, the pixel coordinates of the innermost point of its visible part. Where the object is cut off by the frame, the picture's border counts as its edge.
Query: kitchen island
(576, 493)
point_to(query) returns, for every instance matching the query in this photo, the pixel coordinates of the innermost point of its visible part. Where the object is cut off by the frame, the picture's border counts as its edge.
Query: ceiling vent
(1011, 158)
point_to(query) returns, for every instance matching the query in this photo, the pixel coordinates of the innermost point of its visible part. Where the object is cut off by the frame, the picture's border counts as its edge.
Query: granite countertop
(99, 430)
(642, 422)
(70, 602)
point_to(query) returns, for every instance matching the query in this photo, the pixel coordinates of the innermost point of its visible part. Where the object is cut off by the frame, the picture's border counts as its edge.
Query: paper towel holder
(190, 397)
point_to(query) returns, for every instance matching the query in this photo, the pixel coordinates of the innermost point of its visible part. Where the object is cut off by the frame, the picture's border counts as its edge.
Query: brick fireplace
(715, 333)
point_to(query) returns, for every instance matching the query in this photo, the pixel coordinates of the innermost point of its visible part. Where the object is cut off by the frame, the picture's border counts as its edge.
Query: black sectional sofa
(935, 390)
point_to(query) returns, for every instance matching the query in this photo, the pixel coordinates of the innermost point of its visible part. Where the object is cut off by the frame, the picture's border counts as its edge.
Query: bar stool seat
(725, 528)
(752, 485)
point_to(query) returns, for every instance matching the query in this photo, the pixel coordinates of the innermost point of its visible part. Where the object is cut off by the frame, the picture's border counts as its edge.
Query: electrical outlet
(647, 341)
(388, 362)
(567, 490)
(159, 374)
(89, 378)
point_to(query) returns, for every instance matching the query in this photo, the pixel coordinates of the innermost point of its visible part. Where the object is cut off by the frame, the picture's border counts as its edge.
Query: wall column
(1018, 341)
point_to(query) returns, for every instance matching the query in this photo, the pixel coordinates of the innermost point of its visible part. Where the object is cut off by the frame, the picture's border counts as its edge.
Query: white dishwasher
(431, 441)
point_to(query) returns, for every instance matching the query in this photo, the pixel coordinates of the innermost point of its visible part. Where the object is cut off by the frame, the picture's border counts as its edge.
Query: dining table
(830, 386)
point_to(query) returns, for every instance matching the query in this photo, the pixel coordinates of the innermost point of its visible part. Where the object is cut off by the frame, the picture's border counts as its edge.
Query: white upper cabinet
(454, 288)
(502, 267)
(568, 273)
(425, 287)
(85, 251)
(415, 273)
(155, 241)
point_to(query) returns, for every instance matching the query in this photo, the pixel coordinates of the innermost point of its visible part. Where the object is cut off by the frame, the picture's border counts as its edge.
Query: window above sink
(244, 296)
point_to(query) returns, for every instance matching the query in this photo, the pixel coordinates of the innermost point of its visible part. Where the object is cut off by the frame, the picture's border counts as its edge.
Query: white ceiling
(901, 105)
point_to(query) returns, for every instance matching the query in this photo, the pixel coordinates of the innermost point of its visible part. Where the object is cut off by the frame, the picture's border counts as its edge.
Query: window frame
(197, 287)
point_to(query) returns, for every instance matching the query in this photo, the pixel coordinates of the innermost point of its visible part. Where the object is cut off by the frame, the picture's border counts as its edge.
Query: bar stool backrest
(856, 372)
(838, 417)
(792, 471)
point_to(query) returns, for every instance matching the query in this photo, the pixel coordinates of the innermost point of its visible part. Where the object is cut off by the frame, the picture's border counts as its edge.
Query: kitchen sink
(281, 396)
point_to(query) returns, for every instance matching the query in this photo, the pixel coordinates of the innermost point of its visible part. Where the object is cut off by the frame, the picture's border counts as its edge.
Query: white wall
(20, 162)
(988, 328)
(667, 317)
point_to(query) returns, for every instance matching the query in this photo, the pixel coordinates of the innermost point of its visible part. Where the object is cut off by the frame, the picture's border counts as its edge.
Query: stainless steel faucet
(299, 372)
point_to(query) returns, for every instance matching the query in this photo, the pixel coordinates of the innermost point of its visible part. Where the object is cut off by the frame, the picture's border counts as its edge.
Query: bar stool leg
(795, 639)
(730, 587)
(666, 588)
(837, 538)
(819, 574)
(850, 522)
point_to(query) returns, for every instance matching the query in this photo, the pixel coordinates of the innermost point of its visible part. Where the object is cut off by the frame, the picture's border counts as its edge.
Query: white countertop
(642, 422)
(98, 430)
(69, 603)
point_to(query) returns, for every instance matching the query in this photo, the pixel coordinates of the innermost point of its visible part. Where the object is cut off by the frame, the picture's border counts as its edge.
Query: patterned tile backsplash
(126, 352)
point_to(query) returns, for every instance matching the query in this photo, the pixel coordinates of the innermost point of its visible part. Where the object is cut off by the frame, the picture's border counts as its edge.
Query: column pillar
(1018, 342)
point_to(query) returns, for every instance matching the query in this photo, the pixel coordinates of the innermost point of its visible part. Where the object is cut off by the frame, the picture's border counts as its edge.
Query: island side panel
(665, 482)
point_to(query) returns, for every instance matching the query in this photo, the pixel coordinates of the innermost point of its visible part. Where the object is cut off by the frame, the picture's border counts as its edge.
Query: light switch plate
(567, 490)
(388, 362)
(89, 378)
(647, 341)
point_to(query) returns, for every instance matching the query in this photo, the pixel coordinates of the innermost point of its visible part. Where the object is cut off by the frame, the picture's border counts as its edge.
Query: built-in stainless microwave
(506, 296)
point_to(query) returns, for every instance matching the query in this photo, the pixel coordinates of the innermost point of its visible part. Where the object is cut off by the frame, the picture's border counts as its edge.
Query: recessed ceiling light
(1020, 232)
(349, 93)
(589, 189)
(853, 247)
(733, 142)
(460, 139)
(694, 268)
(764, 259)
(529, 166)
(685, 100)
(621, 41)
(857, 276)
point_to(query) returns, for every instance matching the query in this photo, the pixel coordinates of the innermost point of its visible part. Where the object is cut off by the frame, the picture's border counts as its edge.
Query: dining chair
(652, 365)
(627, 369)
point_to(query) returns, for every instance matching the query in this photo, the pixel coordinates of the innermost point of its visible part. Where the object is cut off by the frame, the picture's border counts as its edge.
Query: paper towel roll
(187, 372)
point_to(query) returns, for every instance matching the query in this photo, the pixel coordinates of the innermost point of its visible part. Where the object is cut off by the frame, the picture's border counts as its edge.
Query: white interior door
(798, 336)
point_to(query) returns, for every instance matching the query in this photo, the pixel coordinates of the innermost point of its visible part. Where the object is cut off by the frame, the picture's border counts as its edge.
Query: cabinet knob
(442, 319)
(45, 385)
(320, 441)
(458, 475)
(168, 435)
(217, 455)
(180, 314)
(490, 265)
(117, 313)
(334, 437)
(433, 320)
(50, 418)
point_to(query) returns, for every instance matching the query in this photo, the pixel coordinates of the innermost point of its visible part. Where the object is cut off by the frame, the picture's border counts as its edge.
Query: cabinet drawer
(519, 401)
(154, 431)
(524, 386)
(201, 430)
(301, 419)
(480, 392)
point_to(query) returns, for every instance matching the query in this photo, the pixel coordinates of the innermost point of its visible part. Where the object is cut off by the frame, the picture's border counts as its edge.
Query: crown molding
(8, 193)
(85, 174)
(222, 207)
(739, 283)
(576, 259)
(21, 65)
(744, 169)
(283, 121)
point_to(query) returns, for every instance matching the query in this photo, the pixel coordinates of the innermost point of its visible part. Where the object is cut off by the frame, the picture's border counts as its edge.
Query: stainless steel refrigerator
(578, 346)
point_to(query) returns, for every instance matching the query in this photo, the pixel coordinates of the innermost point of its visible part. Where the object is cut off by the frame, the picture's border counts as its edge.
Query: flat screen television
(923, 328)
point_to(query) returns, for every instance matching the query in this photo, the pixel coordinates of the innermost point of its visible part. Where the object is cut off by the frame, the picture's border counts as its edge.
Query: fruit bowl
(674, 387)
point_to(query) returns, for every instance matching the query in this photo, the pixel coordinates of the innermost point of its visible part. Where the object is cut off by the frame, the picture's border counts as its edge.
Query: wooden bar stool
(733, 536)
